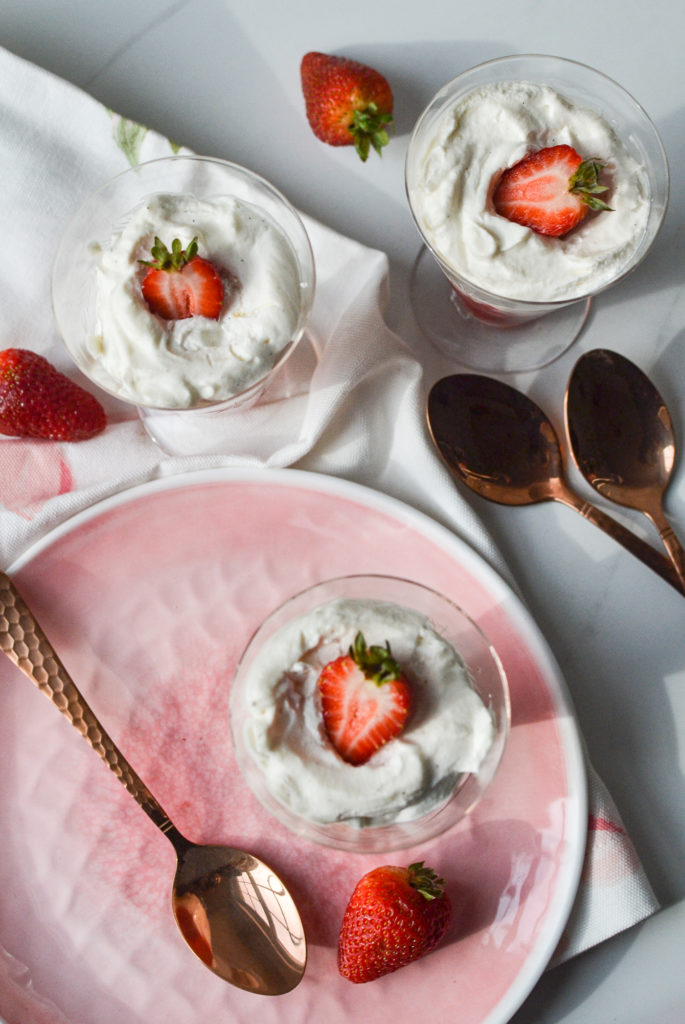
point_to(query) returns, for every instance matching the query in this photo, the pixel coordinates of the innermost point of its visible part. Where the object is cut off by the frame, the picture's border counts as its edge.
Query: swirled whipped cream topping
(181, 363)
(449, 730)
(491, 129)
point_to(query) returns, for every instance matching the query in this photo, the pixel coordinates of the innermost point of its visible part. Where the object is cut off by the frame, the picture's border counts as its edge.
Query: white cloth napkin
(353, 407)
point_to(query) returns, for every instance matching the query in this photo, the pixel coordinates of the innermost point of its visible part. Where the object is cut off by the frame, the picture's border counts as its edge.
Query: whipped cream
(177, 364)
(491, 129)
(449, 730)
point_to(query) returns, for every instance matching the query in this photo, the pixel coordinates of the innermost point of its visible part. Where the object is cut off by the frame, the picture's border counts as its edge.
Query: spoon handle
(675, 549)
(25, 643)
(629, 540)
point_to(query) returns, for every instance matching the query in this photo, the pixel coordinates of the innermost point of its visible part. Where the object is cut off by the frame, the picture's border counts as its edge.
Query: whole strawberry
(346, 102)
(395, 915)
(36, 400)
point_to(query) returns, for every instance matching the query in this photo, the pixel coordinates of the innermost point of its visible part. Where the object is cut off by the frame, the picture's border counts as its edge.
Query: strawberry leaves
(585, 183)
(377, 663)
(178, 257)
(367, 130)
(425, 881)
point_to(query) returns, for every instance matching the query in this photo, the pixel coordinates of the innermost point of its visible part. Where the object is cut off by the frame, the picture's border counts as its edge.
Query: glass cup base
(210, 431)
(248, 426)
(479, 345)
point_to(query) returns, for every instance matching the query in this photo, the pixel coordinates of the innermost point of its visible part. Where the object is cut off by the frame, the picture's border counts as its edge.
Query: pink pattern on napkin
(613, 858)
(614, 891)
(31, 473)
(601, 824)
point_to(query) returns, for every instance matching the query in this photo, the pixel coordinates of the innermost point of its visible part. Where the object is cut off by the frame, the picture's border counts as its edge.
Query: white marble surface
(222, 77)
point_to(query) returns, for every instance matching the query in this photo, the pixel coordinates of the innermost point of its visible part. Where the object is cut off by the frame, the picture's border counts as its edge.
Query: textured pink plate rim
(150, 597)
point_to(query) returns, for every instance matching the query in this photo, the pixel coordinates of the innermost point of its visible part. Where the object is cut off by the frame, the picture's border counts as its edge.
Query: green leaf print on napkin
(129, 136)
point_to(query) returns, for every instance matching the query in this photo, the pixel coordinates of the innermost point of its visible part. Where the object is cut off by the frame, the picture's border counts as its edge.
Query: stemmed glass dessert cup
(457, 795)
(462, 318)
(206, 427)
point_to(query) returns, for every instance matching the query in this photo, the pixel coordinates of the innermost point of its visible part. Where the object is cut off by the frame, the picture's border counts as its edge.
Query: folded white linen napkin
(353, 408)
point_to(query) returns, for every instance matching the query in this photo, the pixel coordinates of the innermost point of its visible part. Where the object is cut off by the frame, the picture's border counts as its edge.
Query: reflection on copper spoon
(501, 445)
(622, 438)
(232, 910)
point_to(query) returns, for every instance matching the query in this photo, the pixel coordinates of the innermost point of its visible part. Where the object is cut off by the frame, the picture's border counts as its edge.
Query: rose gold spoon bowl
(501, 445)
(232, 910)
(622, 438)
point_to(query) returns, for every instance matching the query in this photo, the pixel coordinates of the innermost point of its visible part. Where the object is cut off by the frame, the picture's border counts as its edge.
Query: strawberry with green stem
(551, 190)
(365, 700)
(395, 916)
(346, 102)
(179, 284)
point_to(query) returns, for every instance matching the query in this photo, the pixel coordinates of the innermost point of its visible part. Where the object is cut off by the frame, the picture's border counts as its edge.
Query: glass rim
(540, 305)
(306, 275)
(381, 836)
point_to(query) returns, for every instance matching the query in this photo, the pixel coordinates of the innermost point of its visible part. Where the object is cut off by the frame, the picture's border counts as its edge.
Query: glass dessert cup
(460, 794)
(208, 427)
(490, 332)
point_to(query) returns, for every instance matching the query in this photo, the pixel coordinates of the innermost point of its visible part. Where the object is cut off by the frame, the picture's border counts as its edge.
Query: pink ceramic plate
(150, 598)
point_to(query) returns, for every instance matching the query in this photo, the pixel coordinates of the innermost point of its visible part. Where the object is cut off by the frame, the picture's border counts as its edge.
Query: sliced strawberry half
(180, 284)
(550, 191)
(365, 700)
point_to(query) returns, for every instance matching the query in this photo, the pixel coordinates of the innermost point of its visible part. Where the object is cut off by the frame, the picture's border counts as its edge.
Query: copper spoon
(622, 438)
(501, 445)
(232, 910)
